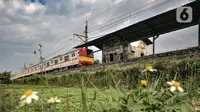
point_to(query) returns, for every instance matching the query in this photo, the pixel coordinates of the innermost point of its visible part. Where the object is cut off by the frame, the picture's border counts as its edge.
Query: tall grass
(128, 75)
(156, 97)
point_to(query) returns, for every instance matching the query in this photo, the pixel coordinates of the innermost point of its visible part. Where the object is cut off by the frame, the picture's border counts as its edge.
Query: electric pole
(85, 40)
(86, 32)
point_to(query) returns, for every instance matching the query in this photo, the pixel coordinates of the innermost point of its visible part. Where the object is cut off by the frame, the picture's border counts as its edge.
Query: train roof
(52, 58)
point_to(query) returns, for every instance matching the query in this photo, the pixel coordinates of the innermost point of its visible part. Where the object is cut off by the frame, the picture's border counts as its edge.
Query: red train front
(86, 56)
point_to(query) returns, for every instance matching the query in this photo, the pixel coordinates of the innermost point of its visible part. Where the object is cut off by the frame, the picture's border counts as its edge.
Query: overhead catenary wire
(59, 49)
(129, 17)
(50, 54)
(97, 36)
(134, 10)
(106, 10)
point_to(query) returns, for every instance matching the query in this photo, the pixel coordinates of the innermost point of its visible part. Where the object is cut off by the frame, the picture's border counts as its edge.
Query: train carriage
(78, 57)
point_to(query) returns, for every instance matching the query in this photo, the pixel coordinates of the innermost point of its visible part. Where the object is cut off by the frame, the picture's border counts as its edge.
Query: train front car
(86, 56)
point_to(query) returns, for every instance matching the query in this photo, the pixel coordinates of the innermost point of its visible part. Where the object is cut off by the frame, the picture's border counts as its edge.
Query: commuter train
(75, 58)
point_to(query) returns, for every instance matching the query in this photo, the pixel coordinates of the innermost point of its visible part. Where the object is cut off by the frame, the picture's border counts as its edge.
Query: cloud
(84, 2)
(88, 1)
(1, 4)
(33, 8)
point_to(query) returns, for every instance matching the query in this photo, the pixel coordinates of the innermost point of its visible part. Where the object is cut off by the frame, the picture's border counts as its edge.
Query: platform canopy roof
(157, 25)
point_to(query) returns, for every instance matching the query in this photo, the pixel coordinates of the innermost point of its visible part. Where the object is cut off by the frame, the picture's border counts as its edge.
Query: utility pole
(85, 40)
(86, 32)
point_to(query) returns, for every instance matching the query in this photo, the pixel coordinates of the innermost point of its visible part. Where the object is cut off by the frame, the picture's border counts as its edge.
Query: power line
(126, 13)
(130, 17)
(97, 36)
(58, 41)
(57, 50)
(106, 10)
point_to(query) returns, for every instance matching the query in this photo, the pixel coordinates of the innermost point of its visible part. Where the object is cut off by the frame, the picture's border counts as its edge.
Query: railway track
(183, 53)
(179, 54)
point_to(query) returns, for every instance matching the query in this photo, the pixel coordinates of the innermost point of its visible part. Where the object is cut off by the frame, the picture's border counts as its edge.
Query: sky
(26, 23)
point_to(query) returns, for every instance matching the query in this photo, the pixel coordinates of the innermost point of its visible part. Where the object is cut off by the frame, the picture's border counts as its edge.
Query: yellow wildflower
(143, 82)
(149, 68)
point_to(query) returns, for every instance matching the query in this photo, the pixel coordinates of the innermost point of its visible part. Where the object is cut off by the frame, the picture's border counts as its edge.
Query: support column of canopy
(155, 36)
(199, 33)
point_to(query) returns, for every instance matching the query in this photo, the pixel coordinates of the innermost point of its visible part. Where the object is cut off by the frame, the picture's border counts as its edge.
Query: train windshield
(90, 53)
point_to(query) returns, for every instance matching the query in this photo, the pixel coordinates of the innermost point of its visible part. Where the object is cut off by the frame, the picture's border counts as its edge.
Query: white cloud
(33, 8)
(118, 1)
(23, 28)
(1, 4)
(88, 1)
(10, 12)
(16, 4)
(84, 2)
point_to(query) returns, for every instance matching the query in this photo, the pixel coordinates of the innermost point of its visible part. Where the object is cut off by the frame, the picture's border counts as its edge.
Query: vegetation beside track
(113, 88)
(127, 75)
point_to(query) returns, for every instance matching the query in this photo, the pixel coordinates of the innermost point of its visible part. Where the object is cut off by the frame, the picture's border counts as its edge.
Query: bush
(5, 77)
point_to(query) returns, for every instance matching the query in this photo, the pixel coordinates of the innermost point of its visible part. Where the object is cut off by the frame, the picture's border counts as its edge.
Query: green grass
(14, 92)
(112, 89)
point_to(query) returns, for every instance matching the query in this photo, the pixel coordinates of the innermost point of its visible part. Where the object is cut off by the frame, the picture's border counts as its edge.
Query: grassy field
(146, 97)
(70, 99)
(113, 89)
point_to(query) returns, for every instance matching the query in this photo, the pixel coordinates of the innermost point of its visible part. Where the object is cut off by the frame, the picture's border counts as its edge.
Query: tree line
(5, 77)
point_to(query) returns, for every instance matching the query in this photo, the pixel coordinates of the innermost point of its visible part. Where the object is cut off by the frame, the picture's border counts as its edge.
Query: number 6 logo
(184, 14)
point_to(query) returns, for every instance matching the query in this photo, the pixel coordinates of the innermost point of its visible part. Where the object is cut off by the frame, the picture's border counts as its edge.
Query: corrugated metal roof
(161, 24)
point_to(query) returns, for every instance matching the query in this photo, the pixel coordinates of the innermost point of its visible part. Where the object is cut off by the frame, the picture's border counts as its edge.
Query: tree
(5, 77)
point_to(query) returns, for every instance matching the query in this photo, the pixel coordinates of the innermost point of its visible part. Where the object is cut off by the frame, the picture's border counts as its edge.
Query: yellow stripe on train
(82, 58)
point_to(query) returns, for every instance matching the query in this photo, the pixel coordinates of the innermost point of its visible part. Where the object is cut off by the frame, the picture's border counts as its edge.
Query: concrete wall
(115, 51)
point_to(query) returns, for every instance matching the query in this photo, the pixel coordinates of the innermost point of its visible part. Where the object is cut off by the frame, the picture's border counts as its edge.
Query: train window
(61, 58)
(73, 54)
(66, 58)
(90, 53)
(56, 61)
(80, 52)
(51, 61)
